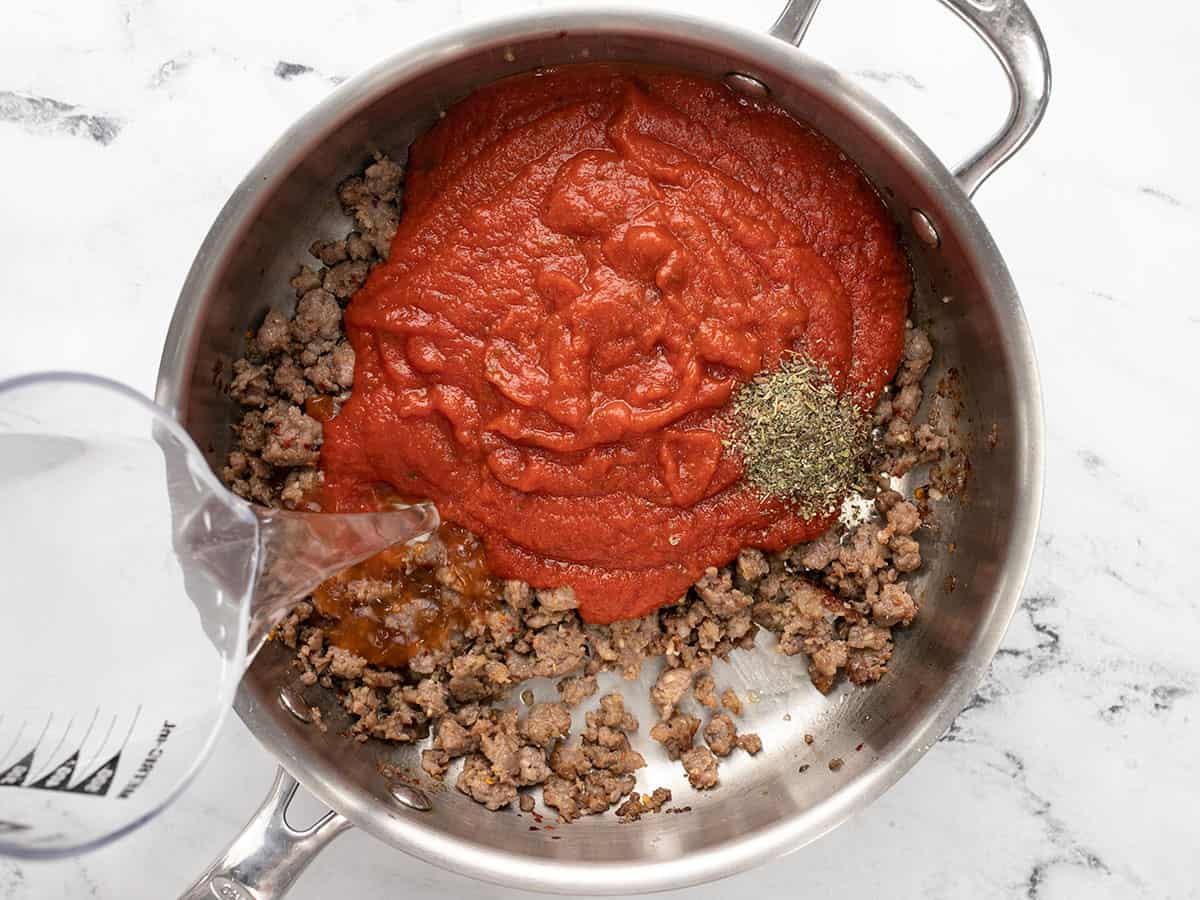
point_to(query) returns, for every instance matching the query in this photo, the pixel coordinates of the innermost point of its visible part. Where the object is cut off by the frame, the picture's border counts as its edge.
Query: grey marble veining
(44, 115)
(1073, 770)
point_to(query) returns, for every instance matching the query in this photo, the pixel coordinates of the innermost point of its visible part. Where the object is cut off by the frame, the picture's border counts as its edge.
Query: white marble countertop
(1074, 772)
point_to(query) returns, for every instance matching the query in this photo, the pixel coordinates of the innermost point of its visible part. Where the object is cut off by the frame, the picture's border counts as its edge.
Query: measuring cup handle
(264, 861)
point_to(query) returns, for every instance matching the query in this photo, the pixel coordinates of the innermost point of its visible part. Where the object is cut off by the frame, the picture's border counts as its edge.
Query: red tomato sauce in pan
(591, 259)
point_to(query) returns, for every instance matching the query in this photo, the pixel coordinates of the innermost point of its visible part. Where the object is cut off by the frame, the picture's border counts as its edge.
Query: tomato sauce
(591, 259)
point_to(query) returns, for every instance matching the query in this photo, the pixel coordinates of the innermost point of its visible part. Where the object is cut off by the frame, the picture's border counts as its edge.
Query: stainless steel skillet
(765, 807)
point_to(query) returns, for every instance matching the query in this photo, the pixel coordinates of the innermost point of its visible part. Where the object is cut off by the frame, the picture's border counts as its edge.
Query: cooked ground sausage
(835, 599)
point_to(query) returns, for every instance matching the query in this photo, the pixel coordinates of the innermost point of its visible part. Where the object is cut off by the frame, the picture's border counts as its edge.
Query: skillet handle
(268, 856)
(1012, 34)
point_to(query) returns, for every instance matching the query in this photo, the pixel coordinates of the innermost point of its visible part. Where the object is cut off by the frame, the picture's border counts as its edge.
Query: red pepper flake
(858, 748)
(533, 828)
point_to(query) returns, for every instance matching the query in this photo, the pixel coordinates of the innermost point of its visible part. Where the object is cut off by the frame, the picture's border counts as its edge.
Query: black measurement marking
(99, 749)
(62, 740)
(13, 745)
(59, 777)
(128, 734)
(15, 775)
(97, 781)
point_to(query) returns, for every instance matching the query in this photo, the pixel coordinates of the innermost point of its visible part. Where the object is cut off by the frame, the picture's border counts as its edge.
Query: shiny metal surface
(409, 796)
(292, 700)
(746, 85)
(765, 806)
(265, 860)
(794, 20)
(1012, 34)
(924, 229)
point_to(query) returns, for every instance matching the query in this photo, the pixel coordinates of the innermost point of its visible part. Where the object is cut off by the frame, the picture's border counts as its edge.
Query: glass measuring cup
(136, 590)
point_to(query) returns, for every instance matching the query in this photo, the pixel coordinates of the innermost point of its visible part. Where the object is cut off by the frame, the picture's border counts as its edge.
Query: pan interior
(764, 805)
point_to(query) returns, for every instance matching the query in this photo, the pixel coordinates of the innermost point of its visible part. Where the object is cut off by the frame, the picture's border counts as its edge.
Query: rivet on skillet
(925, 229)
(746, 84)
(290, 699)
(410, 797)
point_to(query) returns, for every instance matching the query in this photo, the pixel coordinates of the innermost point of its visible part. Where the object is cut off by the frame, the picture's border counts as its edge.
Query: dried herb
(799, 438)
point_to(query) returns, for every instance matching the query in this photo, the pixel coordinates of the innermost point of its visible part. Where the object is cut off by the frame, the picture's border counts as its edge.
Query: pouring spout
(299, 550)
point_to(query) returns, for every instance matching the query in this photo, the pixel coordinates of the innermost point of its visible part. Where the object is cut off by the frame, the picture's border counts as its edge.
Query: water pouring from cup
(116, 685)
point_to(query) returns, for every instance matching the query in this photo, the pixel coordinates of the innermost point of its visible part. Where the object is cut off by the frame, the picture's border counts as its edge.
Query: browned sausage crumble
(835, 600)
